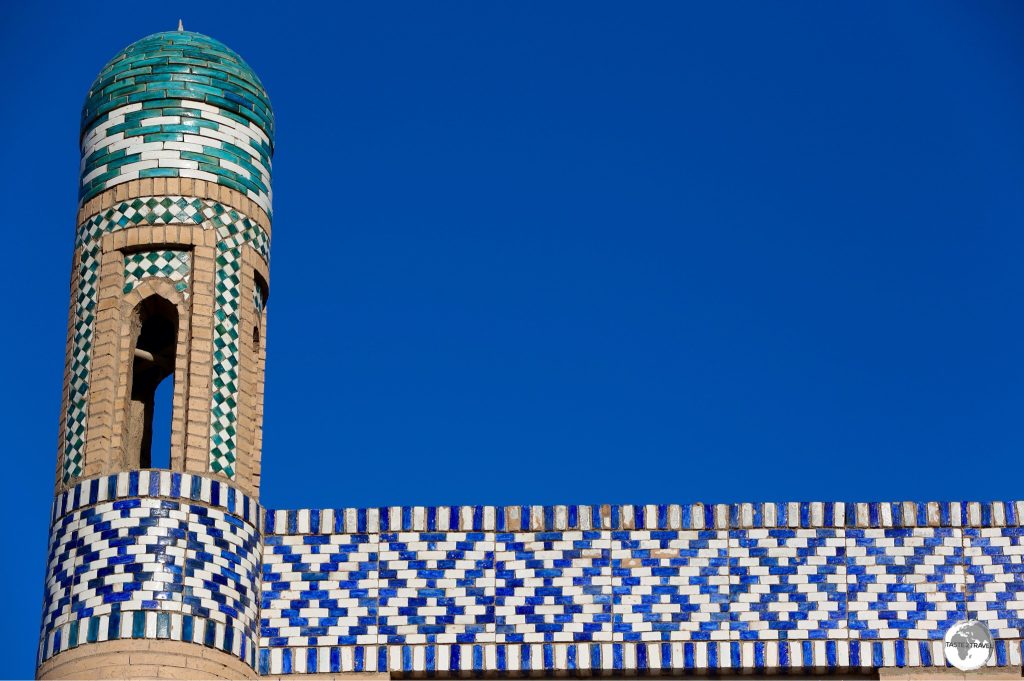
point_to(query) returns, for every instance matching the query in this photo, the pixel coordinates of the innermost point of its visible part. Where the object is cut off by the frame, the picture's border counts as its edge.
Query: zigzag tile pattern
(670, 585)
(552, 586)
(320, 590)
(995, 578)
(905, 583)
(167, 555)
(121, 567)
(436, 587)
(787, 584)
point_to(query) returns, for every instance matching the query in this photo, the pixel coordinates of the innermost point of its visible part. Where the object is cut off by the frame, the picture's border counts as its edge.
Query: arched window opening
(256, 339)
(153, 359)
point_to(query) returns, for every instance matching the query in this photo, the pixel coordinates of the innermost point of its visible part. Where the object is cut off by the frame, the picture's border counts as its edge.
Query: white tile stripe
(722, 516)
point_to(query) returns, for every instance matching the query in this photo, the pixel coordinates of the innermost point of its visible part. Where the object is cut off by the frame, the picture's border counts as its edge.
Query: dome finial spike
(181, 26)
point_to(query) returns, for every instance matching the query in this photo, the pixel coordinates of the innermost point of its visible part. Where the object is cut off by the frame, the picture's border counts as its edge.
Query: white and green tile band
(235, 231)
(231, 237)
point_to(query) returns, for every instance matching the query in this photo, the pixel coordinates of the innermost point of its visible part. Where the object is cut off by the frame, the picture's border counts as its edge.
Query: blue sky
(579, 252)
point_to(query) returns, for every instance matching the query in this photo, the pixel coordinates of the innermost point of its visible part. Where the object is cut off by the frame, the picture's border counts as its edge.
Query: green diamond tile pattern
(81, 355)
(173, 265)
(234, 231)
(232, 235)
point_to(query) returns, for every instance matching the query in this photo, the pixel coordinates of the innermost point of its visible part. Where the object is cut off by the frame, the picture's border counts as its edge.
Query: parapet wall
(637, 589)
(525, 590)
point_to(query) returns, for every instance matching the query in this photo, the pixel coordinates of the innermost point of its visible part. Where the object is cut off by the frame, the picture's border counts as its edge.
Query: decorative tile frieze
(319, 590)
(787, 584)
(553, 586)
(436, 587)
(637, 601)
(670, 585)
(905, 583)
(132, 556)
(176, 138)
(994, 563)
(149, 624)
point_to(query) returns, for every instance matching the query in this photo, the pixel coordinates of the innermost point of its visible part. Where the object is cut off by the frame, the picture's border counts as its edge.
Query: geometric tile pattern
(905, 583)
(172, 265)
(319, 590)
(995, 578)
(232, 235)
(177, 104)
(233, 227)
(123, 565)
(677, 658)
(670, 585)
(328, 591)
(553, 586)
(787, 584)
(72, 459)
(436, 587)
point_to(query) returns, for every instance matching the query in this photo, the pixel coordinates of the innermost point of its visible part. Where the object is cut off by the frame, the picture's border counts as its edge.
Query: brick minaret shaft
(169, 281)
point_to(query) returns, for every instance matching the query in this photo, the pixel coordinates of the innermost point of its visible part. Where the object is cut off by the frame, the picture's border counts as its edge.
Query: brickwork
(177, 137)
(181, 574)
(144, 659)
(216, 236)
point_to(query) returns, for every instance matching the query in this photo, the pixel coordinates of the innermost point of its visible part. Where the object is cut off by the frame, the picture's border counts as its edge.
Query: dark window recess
(153, 361)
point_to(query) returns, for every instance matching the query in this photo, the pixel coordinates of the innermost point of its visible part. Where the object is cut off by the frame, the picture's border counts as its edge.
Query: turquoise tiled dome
(175, 65)
(178, 104)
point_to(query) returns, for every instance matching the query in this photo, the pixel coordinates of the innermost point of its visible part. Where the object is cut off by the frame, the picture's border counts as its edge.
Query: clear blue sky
(579, 253)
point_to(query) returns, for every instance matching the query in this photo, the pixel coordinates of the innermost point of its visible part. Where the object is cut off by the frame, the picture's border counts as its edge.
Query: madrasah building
(180, 572)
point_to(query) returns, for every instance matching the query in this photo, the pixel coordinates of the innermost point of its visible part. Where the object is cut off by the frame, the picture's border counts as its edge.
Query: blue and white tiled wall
(153, 555)
(810, 586)
(529, 589)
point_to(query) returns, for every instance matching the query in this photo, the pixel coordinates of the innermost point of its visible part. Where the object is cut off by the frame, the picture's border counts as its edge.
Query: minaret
(169, 282)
